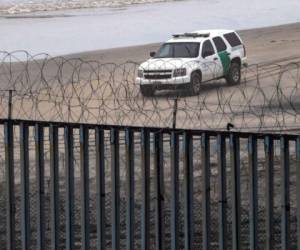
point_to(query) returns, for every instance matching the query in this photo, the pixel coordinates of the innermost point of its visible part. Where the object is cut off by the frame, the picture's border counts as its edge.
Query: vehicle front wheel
(234, 74)
(195, 83)
(147, 90)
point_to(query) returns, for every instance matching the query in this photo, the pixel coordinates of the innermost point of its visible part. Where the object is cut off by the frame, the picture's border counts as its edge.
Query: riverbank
(263, 45)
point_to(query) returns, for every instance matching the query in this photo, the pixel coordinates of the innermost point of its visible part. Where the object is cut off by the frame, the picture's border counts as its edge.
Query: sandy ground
(267, 46)
(264, 45)
(108, 94)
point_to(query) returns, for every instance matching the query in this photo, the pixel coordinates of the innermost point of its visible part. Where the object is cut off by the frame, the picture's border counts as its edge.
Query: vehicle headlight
(179, 72)
(140, 73)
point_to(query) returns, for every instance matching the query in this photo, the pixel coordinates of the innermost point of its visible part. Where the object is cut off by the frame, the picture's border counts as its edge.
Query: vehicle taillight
(244, 50)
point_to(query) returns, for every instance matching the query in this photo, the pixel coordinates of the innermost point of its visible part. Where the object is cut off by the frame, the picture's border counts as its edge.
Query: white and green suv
(188, 59)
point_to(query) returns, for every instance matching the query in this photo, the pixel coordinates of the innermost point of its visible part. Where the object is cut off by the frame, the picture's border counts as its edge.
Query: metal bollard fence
(179, 189)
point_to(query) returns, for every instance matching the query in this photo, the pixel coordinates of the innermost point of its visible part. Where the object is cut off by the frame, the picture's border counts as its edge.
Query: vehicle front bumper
(244, 61)
(172, 83)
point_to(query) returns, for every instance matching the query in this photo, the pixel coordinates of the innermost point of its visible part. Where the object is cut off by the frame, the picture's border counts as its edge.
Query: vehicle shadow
(205, 88)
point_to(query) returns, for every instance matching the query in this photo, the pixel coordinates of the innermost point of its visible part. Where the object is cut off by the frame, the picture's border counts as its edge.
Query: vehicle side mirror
(152, 54)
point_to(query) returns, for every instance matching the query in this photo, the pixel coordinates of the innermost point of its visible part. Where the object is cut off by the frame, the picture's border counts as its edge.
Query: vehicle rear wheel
(147, 90)
(195, 84)
(234, 74)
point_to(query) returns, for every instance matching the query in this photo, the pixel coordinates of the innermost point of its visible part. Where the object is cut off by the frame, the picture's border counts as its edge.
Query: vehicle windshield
(178, 50)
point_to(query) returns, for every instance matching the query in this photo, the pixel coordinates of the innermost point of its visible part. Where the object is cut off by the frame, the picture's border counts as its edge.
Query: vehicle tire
(195, 83)
(147, 90)
(234, 74)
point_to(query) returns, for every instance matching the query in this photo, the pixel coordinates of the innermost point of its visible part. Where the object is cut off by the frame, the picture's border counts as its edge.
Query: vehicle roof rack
(193, 35)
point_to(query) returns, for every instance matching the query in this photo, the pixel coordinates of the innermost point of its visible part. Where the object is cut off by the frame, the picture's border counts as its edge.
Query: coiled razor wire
(41, 87)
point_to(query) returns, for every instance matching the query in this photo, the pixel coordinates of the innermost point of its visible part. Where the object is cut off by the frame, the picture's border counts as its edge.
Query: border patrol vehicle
(189, 59)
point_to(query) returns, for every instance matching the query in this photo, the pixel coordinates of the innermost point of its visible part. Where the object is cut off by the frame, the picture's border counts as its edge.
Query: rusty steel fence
(88, 186)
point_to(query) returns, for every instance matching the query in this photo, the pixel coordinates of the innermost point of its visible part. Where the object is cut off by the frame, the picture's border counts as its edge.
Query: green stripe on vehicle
(225, 59)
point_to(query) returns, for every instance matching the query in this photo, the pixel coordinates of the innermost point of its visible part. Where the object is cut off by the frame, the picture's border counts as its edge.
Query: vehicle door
(210, 61)
(223, 55)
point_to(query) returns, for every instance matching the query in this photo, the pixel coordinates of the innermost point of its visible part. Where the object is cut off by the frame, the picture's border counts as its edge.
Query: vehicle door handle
(216, 58)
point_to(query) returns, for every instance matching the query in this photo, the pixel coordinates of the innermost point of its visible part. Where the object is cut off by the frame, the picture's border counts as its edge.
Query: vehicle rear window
(220, 44)
(232, 39)
(178, 50)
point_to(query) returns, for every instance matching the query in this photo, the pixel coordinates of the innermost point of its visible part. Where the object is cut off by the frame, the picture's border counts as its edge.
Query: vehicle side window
(220, 45)
(165, 50)
(207, 49)
(232, 39)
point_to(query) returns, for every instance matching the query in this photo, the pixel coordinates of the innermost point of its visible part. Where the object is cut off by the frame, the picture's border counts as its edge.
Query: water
(76, 30)
(25, 6)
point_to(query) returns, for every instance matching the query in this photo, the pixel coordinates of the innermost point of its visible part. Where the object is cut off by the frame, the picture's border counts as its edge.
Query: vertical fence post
(100, 180)
(174, 191)
(298, 190)
(129, 145)
(69, 168)
(285, 200)
(252, 151)
(205, 154)
(84, 169)
(115, 175)
(188, 192)
(159, 191)
(54, 187)
(10, 192)
(145, 161)
(25, 209)
(235, 193)
(10, 104)
(175, 112)
(222, 192)
(69, 110)
(269, 156)
(40, 176)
